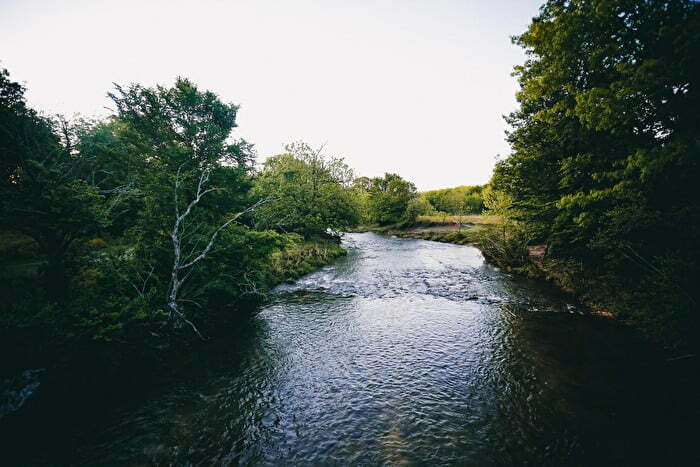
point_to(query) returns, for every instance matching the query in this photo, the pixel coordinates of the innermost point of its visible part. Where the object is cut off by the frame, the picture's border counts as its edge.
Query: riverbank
(484, 233)
(32, 333)
(598, 293)
(459, 230)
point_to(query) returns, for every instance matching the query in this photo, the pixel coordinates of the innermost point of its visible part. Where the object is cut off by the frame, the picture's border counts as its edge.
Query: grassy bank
(460, 230)
(289, 264)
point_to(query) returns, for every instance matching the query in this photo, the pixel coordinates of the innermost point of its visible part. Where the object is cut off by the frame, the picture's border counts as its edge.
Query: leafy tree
(117, 168)
(43, 193)
(195, 180)
(418, 206)
(309, 193)
(605, 141)
(460, 200)
(360, 192)
(388, 199)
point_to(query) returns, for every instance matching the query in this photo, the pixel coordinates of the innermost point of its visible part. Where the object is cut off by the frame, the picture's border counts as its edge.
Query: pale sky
(412, 87)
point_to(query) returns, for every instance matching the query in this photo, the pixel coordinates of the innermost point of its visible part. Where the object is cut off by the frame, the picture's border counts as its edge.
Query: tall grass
(476, 219)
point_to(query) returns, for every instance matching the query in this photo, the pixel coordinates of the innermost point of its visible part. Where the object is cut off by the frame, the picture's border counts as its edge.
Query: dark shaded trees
(605, 146)
(43, 192)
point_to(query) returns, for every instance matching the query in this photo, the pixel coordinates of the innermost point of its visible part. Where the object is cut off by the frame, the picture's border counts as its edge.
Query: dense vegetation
(458, 201)
(387, 200)
(308, 192)
(152, 226)
(604, 168)
(147, 229)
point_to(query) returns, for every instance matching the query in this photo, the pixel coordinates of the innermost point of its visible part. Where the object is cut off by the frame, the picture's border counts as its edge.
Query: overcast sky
(412, 87)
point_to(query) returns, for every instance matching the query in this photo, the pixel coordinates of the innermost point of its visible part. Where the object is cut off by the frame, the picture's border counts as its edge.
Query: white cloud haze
(412, 87)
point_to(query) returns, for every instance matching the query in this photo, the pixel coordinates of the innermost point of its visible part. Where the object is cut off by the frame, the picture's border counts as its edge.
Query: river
(409, 352)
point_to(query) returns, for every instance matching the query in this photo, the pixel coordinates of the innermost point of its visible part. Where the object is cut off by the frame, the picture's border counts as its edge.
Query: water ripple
(407, 352)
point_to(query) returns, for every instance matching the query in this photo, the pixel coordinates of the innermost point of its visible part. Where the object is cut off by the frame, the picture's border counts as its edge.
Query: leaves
(606, 141)
(309, 193)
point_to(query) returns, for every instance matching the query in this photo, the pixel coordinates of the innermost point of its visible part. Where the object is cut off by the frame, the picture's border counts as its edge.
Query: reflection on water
(407, 352)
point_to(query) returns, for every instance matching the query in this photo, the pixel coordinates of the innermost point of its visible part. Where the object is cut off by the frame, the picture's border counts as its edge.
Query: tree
(460, 200)
(605, 142)
(43, 192)
(195, 180)
(418, 206)
(184, 262)
(389, 198)
(605, 120)
(309, 192)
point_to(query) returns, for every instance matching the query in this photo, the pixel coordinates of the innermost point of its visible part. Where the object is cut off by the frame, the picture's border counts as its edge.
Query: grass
(476, 219)
(292, 263)
(458, 237)
(440, 228)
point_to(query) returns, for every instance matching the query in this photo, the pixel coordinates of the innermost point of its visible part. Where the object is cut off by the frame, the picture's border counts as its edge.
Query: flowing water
(407, 352)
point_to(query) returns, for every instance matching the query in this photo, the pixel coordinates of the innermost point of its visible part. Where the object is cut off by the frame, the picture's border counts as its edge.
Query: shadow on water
(411, 352)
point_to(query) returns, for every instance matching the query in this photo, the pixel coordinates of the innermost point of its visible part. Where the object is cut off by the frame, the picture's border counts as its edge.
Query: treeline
(458, 201)
(605, 152)
(393, 201)
(153, 225)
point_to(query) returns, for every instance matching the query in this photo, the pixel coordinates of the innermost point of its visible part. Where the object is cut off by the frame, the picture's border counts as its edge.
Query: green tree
(195, 181)
(418, 206)
(308, 193)
(388, 199)
(605, 142)
(460, 200)
(43, 192)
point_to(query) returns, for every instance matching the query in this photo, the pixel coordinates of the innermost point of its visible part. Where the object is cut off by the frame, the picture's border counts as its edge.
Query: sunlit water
(407, 352)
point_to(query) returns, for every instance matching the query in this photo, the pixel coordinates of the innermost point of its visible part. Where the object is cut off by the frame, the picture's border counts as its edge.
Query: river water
(409, 352)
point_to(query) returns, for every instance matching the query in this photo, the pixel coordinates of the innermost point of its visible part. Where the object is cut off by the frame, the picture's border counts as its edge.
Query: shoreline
(581, 284)
(537, 267)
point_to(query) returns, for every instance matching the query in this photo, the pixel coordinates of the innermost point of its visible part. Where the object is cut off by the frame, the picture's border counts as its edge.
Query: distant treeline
(456, 201)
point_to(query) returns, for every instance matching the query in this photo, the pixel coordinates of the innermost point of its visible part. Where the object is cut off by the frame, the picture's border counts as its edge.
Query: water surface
(408, 352)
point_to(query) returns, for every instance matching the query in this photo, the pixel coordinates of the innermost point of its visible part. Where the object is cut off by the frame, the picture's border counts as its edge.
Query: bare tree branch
(183, 265)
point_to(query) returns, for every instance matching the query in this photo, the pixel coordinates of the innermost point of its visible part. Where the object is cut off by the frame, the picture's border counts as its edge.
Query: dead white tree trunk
(184, 265)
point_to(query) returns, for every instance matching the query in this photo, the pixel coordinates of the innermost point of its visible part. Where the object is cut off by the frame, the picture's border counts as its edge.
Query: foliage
(195, 181)
(308, 193)
(606, 144)
(456, 201)
(43, 193)
(418, 206)
(388, 199)
(95, 214)
(301, 257)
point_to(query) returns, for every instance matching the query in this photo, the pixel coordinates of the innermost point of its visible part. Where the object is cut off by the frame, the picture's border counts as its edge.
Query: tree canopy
(306, 192)
(460, 200)
(606, 142)
(388, 198)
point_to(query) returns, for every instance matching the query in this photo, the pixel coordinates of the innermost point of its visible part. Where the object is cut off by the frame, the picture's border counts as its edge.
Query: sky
(416, 88)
